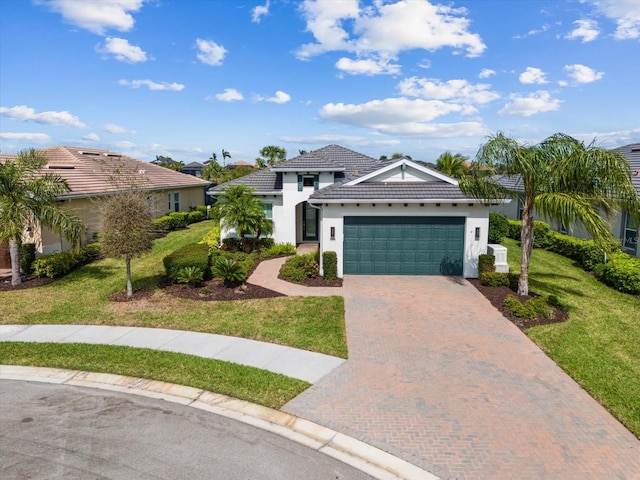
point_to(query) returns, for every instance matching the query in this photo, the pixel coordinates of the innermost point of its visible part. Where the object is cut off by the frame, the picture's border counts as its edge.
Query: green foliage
(278, 250)
(542, 307)
(52, 265)
(515, 229)
(191, 255)
(587, 253)
(175, 220)
(541, 232)
(192, 275)
(621, 272)
(27, 257)
(91, 252)
(494, 279)
(271, 155)
(230, 271)
(127, 229)
(330, 265)
(486, 263)
(532, 308)
(196, 216)
(212, 238)
(300, 267)
(498, 227)
(247, 260)
(453, 165)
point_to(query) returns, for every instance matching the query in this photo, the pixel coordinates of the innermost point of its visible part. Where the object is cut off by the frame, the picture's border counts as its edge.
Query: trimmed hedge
(498, 227)
(52, 265)
(330, 265)
(175, 220)
(300, 267)
(621, 272)
(27, 257)
(246, 260)
(586, 252)
(486, 263)
(192, 255)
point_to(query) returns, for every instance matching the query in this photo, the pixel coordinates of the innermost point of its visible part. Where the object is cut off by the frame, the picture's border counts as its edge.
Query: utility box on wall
(500, 254)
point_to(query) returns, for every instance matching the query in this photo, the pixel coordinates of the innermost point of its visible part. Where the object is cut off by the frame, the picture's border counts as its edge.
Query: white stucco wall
(476, 216)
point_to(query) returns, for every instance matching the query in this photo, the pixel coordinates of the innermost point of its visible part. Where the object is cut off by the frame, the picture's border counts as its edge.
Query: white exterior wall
(476, 216)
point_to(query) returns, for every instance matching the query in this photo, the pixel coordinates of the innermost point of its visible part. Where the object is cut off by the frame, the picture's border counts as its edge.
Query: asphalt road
(60, 431)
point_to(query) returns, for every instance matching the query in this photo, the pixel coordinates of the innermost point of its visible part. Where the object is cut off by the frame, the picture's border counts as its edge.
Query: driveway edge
(366, 458)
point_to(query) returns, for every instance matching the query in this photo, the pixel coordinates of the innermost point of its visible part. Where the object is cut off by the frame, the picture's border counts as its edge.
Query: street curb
(366, 458)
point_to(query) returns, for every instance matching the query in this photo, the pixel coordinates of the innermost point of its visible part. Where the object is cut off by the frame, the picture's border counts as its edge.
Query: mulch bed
(317, 282)
(496, 296)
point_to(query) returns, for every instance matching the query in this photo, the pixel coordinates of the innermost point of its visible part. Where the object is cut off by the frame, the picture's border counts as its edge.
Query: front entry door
(309, 223)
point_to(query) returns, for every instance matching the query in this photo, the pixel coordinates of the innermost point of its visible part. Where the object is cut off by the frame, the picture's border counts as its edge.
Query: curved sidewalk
(266, 275)
(292, 362)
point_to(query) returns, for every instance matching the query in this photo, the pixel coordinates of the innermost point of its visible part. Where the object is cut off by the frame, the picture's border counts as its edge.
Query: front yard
(599, 346)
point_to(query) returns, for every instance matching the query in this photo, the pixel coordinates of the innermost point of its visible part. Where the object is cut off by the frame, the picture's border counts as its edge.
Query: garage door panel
(404, 245)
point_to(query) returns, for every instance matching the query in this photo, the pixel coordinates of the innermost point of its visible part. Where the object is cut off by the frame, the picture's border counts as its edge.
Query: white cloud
(122, 50)
(97, 16)
(582, 73)
(403, 117)
(453, 90)
(533, 75)
(113, 128)
(587, 30)
(24, 113)
(175, 87)
(27, 137)
(368, 66)
(279, 97)
(535, 31)
(486, 73)
(383, 30)
(260, 11)
(626, 14)
(92, 137)
(210, 52)
(531, 104)
(229, 95)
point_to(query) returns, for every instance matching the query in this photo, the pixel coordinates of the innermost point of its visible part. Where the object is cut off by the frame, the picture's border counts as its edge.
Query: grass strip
(238, 381)
(599, 346)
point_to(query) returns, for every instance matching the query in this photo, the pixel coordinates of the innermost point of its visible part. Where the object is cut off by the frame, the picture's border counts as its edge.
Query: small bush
(498, 227)
(279, 249)
(232, 244)
(300, 267)
(330, 265)
(486, 263)
(586, 252)
(494, 279)
(514, 278)
(27, 257)
(247, 260)
(191, 275)
(92, 252)
(230, 271)
(542, 307)
(621, 272)
(212, 238)
(519, 309)
(52, 265)
(515, 229)
(541, 231)
(510, 302)
(192, 255)
(196, 216)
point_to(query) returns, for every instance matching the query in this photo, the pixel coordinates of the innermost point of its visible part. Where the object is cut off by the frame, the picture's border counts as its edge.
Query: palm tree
(270, 156)
(453, 165)
(563, 179)
(225, 155)
(29, 198)
(237, 208)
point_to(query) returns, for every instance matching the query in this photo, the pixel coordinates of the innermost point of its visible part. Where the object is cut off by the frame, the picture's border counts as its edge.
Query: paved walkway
(439, 378)
(293, 362)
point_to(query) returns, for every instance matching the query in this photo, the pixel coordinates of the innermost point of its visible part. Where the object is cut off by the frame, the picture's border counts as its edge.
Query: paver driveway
(438, 377)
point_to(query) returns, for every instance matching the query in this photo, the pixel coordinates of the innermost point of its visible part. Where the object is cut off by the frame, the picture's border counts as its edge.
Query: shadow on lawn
(547, 282)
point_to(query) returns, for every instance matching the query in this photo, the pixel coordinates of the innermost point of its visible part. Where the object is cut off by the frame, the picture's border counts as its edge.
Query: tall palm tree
(225, 155)
(270, 156)
(29, 198)
(563, 179)
(237, 208)
(453, 165)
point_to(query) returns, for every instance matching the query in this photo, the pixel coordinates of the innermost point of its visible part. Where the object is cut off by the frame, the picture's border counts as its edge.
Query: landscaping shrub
(246, 260)
(494, 279)
(300, 267)
(586, 252)
(191, 275)
(52, 265)
(192, 255)
(486, 263)
(330, 265)
(196, 216)
(279, 249)
(515, 229)
(519, 309)
(92, 252)
(498, 227)
(230, 271)
(27, 257)
(621, 272)
(212, 238)
(232, 244)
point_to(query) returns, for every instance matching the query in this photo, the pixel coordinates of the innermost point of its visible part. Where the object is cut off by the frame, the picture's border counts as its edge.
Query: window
(520, 209)
(169, 202)
(176, 202)
(630, 232)
(307, 181)
(267, 208)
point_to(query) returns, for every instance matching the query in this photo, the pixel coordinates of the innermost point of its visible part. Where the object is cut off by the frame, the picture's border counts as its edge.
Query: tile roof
(332, 157)
(428, 191)
(632, 152)
(90, 171)
(264, 181)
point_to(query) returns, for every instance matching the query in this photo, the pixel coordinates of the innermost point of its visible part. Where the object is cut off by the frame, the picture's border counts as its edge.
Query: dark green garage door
(403, 245)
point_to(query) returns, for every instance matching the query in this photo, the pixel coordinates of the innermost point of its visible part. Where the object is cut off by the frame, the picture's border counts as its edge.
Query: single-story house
(92, 174)
(621, 223)
(193, 168)
(380, 217)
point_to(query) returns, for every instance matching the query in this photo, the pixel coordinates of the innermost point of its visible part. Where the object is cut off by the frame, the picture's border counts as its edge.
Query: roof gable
(403, 171)
(332, 158)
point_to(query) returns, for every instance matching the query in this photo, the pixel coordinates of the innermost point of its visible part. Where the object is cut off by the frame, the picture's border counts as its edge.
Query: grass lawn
(247, 383)
(311, 323)
(599, 346)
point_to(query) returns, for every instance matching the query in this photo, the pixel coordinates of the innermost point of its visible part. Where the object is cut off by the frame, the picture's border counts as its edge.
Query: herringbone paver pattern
(438, 377)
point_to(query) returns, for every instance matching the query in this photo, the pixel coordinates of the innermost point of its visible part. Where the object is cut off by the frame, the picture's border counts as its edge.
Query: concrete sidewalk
(292, 362)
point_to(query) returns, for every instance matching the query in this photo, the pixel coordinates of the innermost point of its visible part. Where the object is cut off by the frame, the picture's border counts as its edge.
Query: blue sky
(186, 78)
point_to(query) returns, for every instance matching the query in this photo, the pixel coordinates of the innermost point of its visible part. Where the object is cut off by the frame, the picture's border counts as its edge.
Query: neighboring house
(621, 223)
(92, 174)
(193, 168)
(393, 217)
(238, 164)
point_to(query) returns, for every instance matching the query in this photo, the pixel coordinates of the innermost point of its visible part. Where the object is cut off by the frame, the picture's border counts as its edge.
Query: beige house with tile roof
(93, 173)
